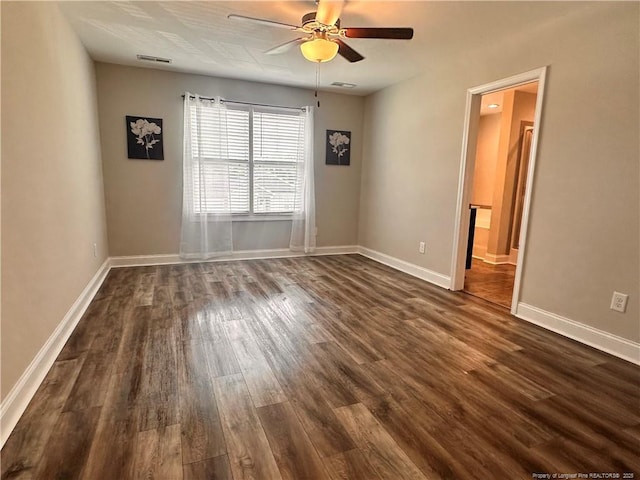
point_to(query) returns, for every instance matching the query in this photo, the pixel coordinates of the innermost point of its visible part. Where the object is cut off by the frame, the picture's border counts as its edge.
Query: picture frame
(144, 138)
(338, 147)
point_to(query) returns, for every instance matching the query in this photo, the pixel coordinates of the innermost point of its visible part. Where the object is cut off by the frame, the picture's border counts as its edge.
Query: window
(248, 161)
(262, 149)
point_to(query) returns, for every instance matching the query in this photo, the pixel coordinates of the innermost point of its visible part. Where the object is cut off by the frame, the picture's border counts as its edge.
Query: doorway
(503, 144)
(496, 178)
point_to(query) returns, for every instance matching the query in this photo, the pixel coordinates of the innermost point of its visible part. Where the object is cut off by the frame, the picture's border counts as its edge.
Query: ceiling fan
(323, 34)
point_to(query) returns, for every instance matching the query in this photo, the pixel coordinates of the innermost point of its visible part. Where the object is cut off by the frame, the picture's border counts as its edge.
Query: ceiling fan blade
(347, 52)
(261, 21)
(390, 33)
(285, 47)
(329, 11)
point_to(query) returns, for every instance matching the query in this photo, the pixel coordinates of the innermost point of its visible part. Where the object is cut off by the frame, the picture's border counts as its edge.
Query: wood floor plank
(410, 378)
(483, 452)
(221, 358)
(319, 420)
(85, 331)
(90, 388)
(27, 443)
(161, 295)
(261, 382)
(592, 432)
(351, 465)
(132, 338)
(415, 437)
(158, 454)
(383, 453)
(332, 358)
(202, 435)
(143, 294)
(523, 427)
(158, 400)
(513, 380)
(295, 455)
(351, 340)
(216, 468)
(329, 383)
(69, 445)
(112, 448)
(249, 453)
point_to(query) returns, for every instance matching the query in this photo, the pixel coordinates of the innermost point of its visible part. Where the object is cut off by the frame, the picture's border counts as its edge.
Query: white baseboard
(494, 259)
(607, 342)
(430, 276)
(15, 403)
(174, 258)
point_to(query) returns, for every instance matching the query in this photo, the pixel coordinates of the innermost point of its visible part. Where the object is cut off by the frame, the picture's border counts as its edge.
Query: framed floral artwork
(144, 138)
(338, 147)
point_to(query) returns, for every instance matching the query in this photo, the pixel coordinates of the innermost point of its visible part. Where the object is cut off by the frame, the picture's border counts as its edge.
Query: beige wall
(480, 241)
(484, 172)
(144, 198)
(583, 239)
(52, 196)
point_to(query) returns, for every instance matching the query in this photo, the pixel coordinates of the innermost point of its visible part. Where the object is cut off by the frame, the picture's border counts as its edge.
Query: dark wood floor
(318, 368)
(493, 283)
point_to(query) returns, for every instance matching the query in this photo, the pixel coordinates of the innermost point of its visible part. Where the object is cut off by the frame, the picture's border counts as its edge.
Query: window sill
(261, 218)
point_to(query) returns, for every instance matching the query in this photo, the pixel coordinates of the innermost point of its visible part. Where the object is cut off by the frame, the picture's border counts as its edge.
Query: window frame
(251, 215)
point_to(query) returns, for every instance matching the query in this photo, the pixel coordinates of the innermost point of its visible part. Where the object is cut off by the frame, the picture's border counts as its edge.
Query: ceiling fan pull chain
(317, 82)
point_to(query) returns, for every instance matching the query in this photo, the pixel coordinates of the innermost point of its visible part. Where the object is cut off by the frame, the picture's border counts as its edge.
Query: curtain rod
(249, 103)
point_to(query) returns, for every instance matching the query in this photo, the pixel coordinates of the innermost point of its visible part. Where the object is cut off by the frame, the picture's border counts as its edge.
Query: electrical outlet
(95, 250)
(619, 302)
(422, 247)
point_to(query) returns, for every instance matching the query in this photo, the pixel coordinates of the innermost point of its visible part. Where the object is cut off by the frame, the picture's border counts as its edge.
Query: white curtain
(303, 226)
(206, 198)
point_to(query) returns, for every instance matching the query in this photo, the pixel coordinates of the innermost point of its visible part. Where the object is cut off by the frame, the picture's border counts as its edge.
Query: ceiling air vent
(343, 84)
(149, 58)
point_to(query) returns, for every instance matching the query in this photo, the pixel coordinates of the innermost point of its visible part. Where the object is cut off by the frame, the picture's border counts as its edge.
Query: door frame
(467, 166)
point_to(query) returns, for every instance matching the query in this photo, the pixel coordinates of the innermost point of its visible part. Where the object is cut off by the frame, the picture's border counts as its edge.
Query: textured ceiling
(199, 38)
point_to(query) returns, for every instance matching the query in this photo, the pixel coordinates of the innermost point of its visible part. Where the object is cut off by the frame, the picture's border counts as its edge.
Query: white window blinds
(257, 155)
(218, 159)
(278, 144)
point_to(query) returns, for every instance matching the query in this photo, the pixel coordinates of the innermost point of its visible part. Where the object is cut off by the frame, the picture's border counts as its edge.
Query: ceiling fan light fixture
(319, 49)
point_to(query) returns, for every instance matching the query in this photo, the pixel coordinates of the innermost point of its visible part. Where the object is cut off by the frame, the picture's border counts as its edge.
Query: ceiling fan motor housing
(309, 22)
